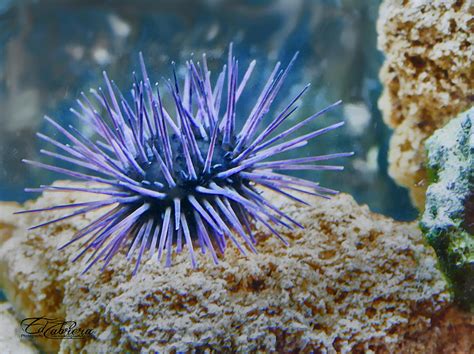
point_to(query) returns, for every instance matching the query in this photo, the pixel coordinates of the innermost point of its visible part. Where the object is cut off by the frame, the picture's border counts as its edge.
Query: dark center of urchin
(185, 185)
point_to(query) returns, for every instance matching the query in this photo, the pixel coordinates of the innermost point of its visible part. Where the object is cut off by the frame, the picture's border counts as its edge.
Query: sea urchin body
(187, 177)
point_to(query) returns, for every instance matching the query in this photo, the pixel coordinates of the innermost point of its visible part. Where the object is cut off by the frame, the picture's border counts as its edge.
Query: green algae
(447, 220)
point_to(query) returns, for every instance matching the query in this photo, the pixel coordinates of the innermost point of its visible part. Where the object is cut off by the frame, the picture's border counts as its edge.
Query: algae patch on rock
(448, 218)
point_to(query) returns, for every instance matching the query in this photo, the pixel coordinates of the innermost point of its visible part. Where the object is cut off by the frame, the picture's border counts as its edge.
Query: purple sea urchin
(188, 181)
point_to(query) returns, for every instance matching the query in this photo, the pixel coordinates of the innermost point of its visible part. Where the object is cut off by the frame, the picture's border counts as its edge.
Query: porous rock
(428, 77)
(10, 335)
(351, 280)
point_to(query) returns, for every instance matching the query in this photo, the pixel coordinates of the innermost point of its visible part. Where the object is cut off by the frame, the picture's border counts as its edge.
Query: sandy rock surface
(352, 280)
(428, 77)
(10, 340)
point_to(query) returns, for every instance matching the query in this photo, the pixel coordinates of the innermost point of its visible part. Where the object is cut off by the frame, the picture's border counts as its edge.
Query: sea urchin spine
(184, 181)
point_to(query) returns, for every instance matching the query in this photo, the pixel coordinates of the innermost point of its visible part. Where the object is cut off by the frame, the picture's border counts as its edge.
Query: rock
(352, 280)
(427, 78)
(10, 335)
(448, 220)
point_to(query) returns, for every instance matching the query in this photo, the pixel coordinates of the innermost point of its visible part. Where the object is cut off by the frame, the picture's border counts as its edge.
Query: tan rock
(428, 77)
(352, 280)
(10, 334)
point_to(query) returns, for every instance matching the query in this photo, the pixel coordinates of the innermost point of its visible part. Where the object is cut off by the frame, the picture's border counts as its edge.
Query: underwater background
(50, 51)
